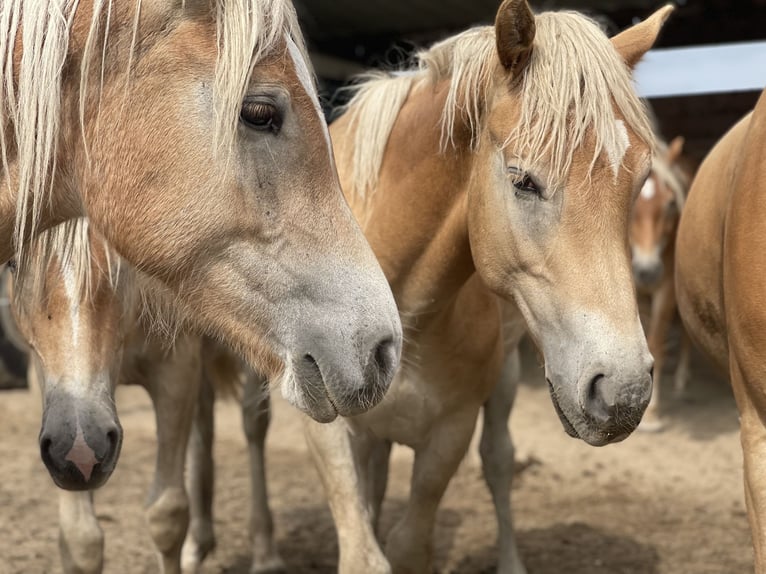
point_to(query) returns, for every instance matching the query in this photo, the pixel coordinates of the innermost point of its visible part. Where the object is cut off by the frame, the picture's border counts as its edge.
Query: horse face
(655, 216)
(254, 241)
(555, 239)
(76, 349)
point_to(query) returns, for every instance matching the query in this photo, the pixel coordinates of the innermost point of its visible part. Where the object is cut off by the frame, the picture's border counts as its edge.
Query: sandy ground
(668, 503)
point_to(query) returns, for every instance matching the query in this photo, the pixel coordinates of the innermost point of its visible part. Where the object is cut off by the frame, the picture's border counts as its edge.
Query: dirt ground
(669, 503)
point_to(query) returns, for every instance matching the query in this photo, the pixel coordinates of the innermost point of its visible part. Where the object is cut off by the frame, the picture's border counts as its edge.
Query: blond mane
(569, 89)
(30, 111)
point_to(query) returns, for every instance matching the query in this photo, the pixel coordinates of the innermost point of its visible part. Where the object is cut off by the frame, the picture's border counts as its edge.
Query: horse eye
(524, 183)
(261, 117)
(12, 265)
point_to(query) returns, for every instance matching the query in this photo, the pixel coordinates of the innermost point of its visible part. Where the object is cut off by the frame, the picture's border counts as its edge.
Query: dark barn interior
(347, 36)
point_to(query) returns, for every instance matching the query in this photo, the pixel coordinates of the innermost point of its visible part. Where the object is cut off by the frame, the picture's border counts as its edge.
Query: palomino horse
(83, 328)
(86, 335)
(507, 163)
(719, 280)
(190, 133)
(653, 229)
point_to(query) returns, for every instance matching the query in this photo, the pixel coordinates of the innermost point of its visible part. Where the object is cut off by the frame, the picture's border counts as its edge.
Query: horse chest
(419, 399)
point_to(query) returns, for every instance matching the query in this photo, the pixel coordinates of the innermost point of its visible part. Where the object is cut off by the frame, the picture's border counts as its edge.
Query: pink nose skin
(82, 456)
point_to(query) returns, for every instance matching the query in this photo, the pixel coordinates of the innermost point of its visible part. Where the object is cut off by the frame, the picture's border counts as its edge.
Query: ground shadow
(572, 548)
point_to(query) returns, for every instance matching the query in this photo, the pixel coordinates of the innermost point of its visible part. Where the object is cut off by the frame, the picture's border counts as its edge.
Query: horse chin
(304, 388)
(593, 437)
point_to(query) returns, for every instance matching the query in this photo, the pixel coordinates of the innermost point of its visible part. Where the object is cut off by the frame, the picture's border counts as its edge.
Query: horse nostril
(113, 436)
(384, 355)
(45, 445)
(596, 402)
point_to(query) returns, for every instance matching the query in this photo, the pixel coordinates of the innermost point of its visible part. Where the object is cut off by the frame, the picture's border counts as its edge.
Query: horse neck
(416, 218)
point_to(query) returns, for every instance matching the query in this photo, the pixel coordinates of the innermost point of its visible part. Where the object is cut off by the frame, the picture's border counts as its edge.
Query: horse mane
(70, 245)
(30, 109)
(571, 85)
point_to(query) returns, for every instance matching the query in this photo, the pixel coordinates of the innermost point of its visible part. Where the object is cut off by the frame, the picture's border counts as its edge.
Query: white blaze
(649, 190)
(617, 149)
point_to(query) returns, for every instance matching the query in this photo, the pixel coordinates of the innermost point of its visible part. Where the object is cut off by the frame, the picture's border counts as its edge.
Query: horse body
(653, 229)
(719, 278)
(459, 212)
(190, 134)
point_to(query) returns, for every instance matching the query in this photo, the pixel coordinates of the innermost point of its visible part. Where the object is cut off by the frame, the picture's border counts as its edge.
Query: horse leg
(174, 390)
(378, 459)
(256, 416)
(752, 409)
(683, 369)
(81, 540)
(200, 540)
(497, 457)
(333, 454)
(409, 546)
(663, 311)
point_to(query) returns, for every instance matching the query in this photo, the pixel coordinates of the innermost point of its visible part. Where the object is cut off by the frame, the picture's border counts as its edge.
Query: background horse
(653, 227)
(82, 326)
(88, 331)
(190, 134)
(720, 275)
(508, 161)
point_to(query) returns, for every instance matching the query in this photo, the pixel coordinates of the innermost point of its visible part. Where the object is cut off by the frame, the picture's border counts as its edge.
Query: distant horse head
(190, 134)
(655, 216)
(74, 320)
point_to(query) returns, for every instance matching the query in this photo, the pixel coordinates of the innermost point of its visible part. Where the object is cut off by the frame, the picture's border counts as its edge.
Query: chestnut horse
(505, 165)
(189, 132)
(653, 228)
(720, 273)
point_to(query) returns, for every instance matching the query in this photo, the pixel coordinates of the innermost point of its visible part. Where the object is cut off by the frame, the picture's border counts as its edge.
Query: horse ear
(514, 34)
(636, 41)
(675, 149)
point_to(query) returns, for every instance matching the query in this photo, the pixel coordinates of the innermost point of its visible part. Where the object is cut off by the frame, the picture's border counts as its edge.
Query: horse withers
(504, 165)
(720, 273)
(191, 136)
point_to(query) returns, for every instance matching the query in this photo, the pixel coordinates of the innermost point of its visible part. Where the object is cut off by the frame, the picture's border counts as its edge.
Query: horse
(503, 167)
(719, 285)
(84, 330)
(88, 331)
(191, 135)
(653, 227)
